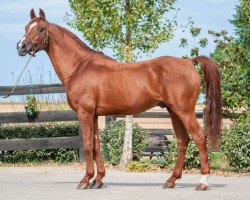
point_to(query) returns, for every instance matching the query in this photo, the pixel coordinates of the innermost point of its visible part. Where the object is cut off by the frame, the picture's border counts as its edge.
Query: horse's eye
(40, 29)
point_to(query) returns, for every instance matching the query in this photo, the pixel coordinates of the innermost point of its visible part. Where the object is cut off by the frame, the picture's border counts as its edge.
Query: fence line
(36, 89)
(39, 143)
(43, 116)
(58, 116)
(68, 115)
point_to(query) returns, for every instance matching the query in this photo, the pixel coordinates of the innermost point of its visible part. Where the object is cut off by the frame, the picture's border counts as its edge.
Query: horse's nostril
(23, 46)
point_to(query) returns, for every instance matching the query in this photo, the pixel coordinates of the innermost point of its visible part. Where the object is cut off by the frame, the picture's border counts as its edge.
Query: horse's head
(36, 35)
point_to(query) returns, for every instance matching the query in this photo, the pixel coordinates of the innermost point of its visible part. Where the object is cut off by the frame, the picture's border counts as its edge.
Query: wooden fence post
(81, 146)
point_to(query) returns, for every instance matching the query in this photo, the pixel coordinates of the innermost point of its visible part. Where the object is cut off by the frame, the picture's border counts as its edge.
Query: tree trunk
(127, 155)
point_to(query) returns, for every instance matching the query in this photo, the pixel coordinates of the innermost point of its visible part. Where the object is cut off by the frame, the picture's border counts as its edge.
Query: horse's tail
(213, 111)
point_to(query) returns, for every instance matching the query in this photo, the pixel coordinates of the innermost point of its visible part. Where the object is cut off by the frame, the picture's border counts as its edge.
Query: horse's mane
(82, 44)
(75, 38)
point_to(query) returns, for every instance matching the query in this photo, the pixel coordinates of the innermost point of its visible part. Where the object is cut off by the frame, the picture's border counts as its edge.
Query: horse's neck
(65, 52)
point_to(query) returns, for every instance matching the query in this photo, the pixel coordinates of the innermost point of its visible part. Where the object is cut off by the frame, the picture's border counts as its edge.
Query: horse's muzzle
(22, 48)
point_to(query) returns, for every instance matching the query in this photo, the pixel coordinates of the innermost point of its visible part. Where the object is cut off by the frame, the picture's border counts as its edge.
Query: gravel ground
(59, 182)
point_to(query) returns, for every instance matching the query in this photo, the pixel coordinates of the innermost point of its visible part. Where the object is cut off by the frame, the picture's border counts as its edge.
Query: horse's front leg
(86, 121)
(97, 183)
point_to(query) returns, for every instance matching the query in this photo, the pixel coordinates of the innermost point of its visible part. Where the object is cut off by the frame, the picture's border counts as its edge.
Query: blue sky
(14, 15)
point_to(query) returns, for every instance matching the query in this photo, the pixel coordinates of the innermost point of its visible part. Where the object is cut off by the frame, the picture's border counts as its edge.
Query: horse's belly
(126, 110)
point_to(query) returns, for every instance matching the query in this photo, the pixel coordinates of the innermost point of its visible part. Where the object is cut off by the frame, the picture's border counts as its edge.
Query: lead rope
(17, 81)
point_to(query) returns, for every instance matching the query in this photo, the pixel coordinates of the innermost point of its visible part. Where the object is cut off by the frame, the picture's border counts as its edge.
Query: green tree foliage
(233, 57)
(241, 22)
(129, 27)
(197, 48)
(233, 60)
(232, 54)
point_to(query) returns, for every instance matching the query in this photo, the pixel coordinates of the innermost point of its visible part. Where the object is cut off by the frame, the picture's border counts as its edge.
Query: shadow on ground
(178, 185)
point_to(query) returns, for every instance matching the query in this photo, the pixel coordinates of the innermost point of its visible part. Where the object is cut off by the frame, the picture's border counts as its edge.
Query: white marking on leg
(203, 179)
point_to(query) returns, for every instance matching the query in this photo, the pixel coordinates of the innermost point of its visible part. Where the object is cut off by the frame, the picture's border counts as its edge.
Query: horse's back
(132, 87)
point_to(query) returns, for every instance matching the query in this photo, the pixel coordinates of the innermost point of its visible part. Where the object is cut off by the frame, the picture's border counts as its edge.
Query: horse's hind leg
(191, 124)
(97, 183)
(182, 142)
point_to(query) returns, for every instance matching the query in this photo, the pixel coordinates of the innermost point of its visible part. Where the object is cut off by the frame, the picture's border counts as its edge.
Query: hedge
(40, 130)
(236, 146)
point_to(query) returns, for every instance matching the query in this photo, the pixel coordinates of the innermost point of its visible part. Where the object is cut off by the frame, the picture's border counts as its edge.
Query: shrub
(31, 106)
(169, 156)
(161, 162)
(192, 159)
(40, 131)
(66, 155)
(236, 146)
(112, 137)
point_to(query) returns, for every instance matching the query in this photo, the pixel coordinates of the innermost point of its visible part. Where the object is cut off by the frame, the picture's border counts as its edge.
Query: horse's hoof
(201, 186)
(168, 185)
(83, 186)
(96, 185)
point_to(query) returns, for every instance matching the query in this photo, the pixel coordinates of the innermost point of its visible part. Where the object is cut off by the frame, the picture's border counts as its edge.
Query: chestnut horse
(96, 85)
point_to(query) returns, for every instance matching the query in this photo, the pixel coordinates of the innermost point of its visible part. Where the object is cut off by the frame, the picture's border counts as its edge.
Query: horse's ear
(42, 14)
(32, 14)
